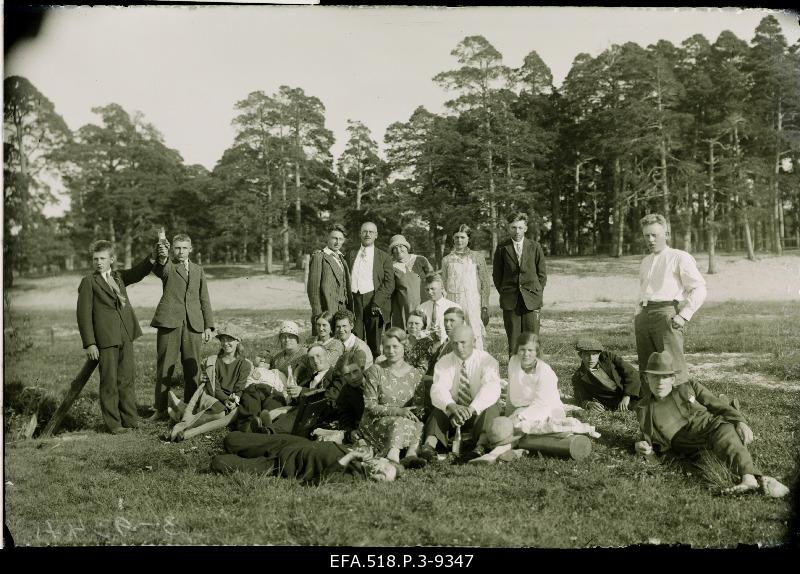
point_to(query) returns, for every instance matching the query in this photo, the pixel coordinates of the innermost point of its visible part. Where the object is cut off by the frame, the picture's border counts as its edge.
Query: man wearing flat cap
(687, 418)
(604, 380)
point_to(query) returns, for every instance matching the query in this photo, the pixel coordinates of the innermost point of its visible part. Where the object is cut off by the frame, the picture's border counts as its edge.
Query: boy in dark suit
(108, 327)
(328, 285)
(519, 275)
(184, 321)
(604, 380)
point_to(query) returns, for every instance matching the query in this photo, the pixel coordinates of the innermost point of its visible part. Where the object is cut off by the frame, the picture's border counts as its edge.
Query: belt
(659, 304)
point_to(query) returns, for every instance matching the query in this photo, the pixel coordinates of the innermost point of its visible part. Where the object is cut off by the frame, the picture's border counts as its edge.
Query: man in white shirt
(372, 284)
(671, 290)
(343, 322)
(466, 388)
(435, 307)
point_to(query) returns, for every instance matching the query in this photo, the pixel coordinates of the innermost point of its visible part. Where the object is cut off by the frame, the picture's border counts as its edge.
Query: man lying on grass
(291, 456)
(688, 418)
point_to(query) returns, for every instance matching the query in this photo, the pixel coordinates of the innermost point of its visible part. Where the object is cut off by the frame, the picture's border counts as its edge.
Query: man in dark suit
(604, 380)
(519, 276)
(329, 278)
(372, 283)
(184, 321)
(108, 327)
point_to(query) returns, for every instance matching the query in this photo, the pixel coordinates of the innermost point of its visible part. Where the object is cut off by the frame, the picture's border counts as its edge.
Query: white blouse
(533, 397)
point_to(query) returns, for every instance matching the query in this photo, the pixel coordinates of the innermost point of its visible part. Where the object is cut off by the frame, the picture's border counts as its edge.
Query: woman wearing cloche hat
(409, 270)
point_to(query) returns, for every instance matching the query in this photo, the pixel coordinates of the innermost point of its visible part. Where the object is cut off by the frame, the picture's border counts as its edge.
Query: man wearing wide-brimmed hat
(604, 380)
(688, 418)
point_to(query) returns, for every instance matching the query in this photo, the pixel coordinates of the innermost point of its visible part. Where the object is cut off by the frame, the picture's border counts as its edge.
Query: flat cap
(588, 344)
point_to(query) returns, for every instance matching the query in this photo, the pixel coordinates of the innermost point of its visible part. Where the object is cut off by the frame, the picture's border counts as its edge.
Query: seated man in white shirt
(466, 388)
(435, 307)
(671, 290)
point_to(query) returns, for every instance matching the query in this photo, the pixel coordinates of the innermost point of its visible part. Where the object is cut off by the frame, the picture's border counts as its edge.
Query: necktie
(518, 249)
(464, 392)
(114, 287)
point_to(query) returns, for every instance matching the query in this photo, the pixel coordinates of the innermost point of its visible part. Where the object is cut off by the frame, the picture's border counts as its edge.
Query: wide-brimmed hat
(500, 432)
(660, 364)
(289, 328)
(398, 240)
(230, 330)
(588, 344)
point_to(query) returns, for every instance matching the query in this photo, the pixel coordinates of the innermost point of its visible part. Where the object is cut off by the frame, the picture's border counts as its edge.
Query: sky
(184, 68)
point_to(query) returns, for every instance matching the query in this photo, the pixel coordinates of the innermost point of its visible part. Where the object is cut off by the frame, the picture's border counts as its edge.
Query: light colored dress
(534, 403)
(384, 394)
(408, 288)
(466, 281)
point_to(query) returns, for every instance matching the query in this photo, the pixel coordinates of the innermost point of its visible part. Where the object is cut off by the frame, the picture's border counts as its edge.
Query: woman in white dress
(466, 282)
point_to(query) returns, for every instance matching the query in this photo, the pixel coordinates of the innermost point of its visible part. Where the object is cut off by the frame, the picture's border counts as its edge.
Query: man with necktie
(328, 285)
(435, 307)
(466, 388)
(184, 321)
(519, 275)
(372, 284)
(108, 327)
(671, 290)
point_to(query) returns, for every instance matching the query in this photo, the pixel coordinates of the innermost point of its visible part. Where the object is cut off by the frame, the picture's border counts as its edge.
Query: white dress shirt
(315, 381)
(361, 277)
(336, 255)
(533, 396)
(518, 249)
(442, 305)
(672, 275)
(484, 380)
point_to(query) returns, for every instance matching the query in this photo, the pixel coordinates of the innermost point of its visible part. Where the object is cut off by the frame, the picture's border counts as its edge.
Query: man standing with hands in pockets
(183, 318)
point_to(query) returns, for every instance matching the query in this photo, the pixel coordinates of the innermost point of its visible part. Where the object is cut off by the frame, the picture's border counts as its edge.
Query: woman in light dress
(393, 403)
(466, 281)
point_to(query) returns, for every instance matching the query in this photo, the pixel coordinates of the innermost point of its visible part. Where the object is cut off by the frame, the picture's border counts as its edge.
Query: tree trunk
(687, 219)
(285, 222)
(619, 223)
(711, 215)
(359, 186)
(776, 227)
(751, 255)
(297, 206)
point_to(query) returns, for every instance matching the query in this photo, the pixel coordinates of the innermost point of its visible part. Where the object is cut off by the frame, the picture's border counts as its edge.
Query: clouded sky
(184, 68)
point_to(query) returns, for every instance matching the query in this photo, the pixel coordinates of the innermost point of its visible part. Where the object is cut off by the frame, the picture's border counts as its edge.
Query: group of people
(397, 361)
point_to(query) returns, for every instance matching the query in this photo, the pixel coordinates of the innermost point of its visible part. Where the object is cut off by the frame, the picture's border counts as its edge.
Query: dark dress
(409, 290)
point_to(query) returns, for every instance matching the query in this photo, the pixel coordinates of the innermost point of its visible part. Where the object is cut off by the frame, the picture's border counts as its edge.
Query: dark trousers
(722, 440)
(368, 327)
(117, 389)
(655, 333)
(170, 344)
(438, 424)
(518, 320)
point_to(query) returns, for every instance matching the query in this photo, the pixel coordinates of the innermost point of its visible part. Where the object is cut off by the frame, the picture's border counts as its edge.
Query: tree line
(707, 134)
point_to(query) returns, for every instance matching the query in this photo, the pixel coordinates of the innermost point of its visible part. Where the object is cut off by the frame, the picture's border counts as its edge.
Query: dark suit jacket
(697, 409)
(382, 277)
(181, 299)
(328, 284)
(512, 282)
(101, 318)
(618, 369)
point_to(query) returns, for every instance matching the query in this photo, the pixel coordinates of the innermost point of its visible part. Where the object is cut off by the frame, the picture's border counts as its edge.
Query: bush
(21, 402)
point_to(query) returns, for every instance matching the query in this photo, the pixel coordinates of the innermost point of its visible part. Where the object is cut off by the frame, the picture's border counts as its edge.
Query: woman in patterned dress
(466, 281)
(393, 403)
(409, 272)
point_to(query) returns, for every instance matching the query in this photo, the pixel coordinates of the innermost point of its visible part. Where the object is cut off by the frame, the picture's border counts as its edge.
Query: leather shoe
(413, 462)
(427, 453)
(476, 452)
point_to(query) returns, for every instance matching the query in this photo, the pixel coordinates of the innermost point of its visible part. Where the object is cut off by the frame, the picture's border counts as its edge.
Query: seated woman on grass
(292, 354)
(290, 456)
(393, 402)
(534, 405)
(214, 404)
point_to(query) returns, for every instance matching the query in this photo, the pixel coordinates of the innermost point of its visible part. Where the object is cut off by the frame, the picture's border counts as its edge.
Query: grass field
(92, 488)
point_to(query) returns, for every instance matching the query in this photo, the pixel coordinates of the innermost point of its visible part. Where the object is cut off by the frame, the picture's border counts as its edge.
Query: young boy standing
(108, 327)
